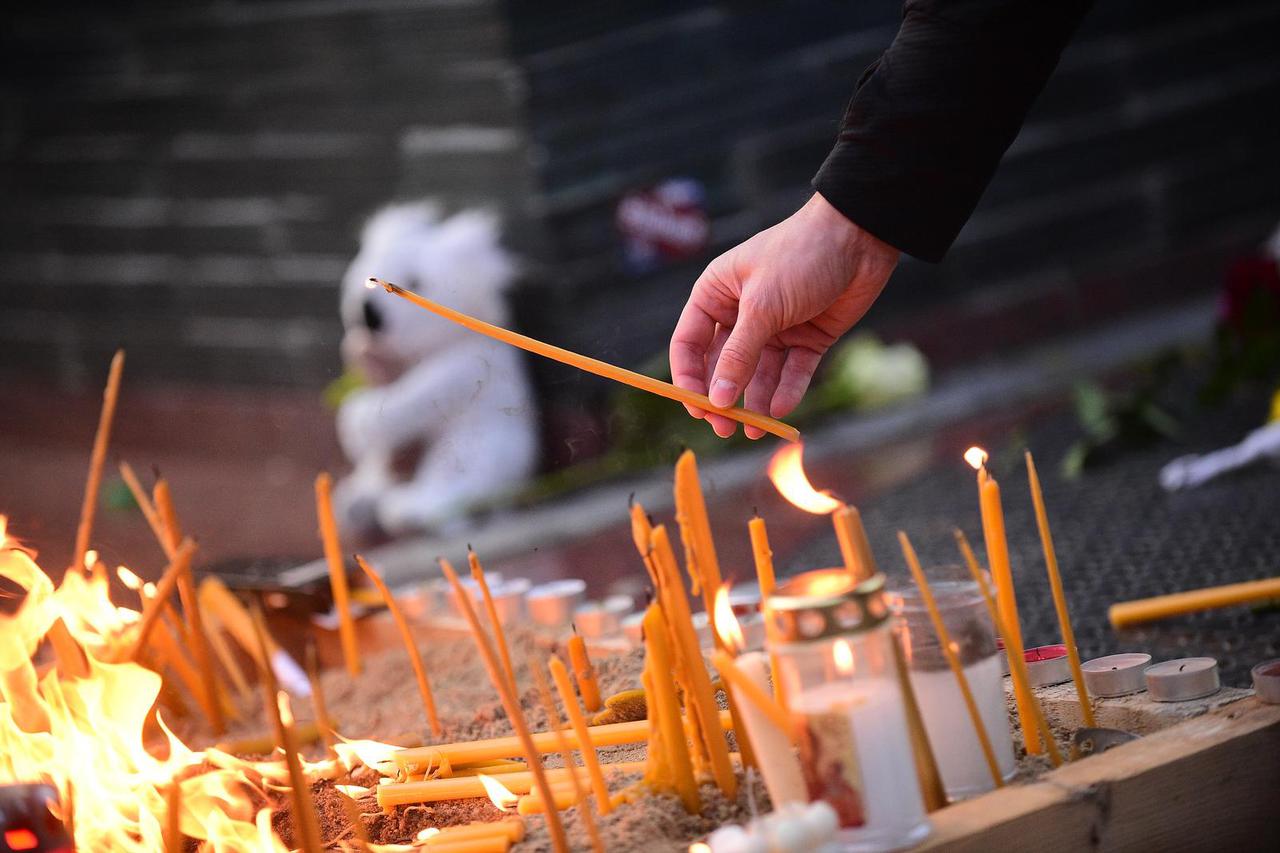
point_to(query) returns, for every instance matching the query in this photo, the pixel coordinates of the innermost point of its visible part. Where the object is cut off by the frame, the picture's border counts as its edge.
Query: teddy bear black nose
(372, 316)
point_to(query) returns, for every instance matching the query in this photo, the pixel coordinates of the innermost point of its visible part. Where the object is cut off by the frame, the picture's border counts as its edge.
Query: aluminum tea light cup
(1266, 681)
(1047, 665)
(1116, 675)
(553, 603)
(1183, 679)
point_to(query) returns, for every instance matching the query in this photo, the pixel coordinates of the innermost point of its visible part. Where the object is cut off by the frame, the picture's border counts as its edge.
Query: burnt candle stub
(1116, 675)
(1183, 679)
(1266, 681)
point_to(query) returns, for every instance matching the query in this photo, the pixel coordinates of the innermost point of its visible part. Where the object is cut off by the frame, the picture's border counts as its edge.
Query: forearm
(928, 125)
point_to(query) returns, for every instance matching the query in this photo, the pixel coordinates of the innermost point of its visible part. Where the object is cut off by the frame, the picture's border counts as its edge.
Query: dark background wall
(189, 182)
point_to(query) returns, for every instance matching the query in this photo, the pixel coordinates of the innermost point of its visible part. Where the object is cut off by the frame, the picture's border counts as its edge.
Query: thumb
(739, 356)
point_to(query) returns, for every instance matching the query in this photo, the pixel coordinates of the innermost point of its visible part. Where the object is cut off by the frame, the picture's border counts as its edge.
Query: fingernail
(723, 393)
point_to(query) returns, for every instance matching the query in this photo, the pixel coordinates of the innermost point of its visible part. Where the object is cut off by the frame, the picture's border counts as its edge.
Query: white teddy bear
(464, 401)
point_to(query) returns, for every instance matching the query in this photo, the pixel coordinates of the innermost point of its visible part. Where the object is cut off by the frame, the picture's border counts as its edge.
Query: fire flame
(786, 471)
(842, 655)
(726, 623)
(501, 796)
(976, 456)
(97, 739)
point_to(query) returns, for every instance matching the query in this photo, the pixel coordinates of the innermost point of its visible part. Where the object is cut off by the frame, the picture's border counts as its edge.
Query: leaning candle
(1002, 572)
(99, 454)
(415, 759)
(510, 702)
(173, 838)
(562, 743)
(218, 600)
(560, 676)
(532, 803)
(702, 698)
(1017, 666)
(763, 556)
(466, 787)
(592, 365)
(666, 709)
(584, 673)
(1059, 597)
(164, 589)
(1129, 613)
(332, 545)
(495, 623)
(411, 647)
(855, 549)
(949, 650)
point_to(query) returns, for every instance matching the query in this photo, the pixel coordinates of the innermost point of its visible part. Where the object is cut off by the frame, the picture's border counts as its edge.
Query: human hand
(762, 315)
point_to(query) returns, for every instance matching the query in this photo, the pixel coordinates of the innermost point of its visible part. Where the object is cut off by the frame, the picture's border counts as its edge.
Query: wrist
(839, 230)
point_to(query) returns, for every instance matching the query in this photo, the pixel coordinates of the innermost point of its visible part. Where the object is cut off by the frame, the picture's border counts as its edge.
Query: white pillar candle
(771, 745)
(951, 735)
(856, 755)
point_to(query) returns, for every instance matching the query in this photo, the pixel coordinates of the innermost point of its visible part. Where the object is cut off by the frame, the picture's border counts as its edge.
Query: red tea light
(1116, 675)
(1266, 681)
(1183, 679)
(1047, 665)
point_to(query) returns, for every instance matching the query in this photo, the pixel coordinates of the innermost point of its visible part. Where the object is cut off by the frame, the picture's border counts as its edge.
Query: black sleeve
(932, 117)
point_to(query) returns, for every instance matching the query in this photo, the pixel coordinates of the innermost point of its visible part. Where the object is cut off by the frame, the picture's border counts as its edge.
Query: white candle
(772, 746)
(955, 747)
(856, 755)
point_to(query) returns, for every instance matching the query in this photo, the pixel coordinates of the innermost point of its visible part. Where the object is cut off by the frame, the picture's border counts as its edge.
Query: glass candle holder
(831, 636)
(955, 744)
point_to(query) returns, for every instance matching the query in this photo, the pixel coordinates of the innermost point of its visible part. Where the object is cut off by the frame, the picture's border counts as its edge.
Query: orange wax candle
(491, 611)
(584, 673)
(101, 439)
(855, 550)
(532, 802)
(1059, 596)
(332, 545)
(763, 555)
(560, 676)
(700, 694)
(666, 708)
(1006, 602)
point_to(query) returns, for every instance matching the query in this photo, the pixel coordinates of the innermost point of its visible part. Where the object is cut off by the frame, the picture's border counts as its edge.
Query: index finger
(690, 343)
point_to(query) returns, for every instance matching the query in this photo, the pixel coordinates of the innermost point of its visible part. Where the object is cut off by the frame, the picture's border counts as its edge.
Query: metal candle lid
(826, 603)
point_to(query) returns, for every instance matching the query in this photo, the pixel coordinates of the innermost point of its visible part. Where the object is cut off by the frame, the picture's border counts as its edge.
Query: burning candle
(337, 572)
(592, 365)
(1002, 573)
(767, 724)
(1183, 679)
(1116, 675)
(786, 472)
(855, 752)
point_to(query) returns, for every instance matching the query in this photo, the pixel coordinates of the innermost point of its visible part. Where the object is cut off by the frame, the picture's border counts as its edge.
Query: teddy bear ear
(476, 236)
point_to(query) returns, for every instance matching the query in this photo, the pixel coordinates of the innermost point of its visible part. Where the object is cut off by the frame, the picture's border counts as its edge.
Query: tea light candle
(1116, 675)
(552, 604)
(1183, 679)
(1047, 665)
(1266, 681)
(602, 619)
(633, 628)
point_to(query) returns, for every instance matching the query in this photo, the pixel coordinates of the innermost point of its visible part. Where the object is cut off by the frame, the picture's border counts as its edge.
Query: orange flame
(842, 655)
(89, 738)
(501, 796)
(976, 456)
(786, 471)
(726, 623)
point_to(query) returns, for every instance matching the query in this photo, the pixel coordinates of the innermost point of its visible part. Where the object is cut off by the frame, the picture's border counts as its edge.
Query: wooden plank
(1209, 783)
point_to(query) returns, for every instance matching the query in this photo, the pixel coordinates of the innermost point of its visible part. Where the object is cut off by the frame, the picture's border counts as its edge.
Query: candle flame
(128, 578)
(149, 589)
(786, 471)
(371, 283)
(286, 709)
(429, 832)
(499, 794)
(726, 623)
(976, 456)
(90, 557)
(842, 654)
(699, 847)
